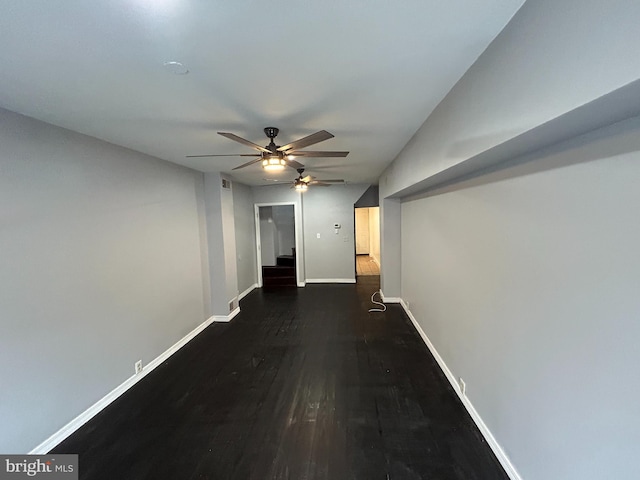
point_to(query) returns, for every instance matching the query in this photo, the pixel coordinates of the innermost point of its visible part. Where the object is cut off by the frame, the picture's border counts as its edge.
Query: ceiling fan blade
(294, 164)
(241, 140)
(317, 154)
(228, 155)
(307, 179)
(274, 184)
(332, 181)
(248, 163)
(319, 184)
(317, 137)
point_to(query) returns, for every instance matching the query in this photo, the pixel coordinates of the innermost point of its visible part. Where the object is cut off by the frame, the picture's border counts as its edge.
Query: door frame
(297, 235)
(355, 241)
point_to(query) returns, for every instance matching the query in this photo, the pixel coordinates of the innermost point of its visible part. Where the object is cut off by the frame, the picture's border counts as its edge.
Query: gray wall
(331, 256)
(527, 280)
(221, 243)
(554, 56)
(283, 218)
(370, 198)
(390, 245)
(245, 232)
(374, 233)
(268, 237)
(277, 233)
(100, 265)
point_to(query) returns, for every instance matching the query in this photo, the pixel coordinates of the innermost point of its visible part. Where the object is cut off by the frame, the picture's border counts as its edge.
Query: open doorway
(276, 238)
(367, 235)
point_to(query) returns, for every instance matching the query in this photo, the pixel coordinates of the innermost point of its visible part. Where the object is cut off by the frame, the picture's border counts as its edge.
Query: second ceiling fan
(302, 183)
(276, 157)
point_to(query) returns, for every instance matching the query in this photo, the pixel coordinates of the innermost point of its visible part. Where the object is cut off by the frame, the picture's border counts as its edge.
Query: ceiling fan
(276, 157)
(302, 183)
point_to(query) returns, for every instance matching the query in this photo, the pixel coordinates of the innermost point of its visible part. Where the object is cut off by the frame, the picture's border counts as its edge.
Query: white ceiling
(368, 71)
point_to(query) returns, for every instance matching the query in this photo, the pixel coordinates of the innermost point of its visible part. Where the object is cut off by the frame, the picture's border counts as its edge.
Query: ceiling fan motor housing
(271, 132)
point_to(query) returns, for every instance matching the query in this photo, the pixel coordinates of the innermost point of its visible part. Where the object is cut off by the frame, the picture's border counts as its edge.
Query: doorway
(367, 236)
(276, 242)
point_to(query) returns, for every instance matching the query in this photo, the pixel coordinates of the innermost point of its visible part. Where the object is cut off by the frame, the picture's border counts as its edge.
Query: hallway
(365, 265)
(303, 384)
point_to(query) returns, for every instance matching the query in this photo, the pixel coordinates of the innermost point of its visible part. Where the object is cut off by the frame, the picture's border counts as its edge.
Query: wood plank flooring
(302, 384)
(366, 266)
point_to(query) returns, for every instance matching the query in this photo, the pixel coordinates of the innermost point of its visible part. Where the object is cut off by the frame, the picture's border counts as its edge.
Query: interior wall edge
(536, 161)
(226, 318)
(389, 299)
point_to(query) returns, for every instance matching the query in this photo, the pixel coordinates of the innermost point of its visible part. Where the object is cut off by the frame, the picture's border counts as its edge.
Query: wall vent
(226, 183)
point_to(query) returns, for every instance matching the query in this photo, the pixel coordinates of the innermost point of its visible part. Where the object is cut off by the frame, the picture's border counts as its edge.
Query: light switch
(317, 235)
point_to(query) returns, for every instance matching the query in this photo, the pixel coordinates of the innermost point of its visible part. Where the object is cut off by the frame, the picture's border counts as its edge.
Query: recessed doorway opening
(367, 235)
(276, 240)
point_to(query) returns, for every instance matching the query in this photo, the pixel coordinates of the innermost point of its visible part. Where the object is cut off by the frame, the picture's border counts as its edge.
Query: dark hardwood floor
(302, 384)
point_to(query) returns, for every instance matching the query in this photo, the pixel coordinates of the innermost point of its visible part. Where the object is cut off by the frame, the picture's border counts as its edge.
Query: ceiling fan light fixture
(301, 186)
(274, 157)
(273, 163)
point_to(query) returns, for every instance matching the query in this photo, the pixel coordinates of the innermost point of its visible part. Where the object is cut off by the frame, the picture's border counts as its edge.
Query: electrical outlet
(463, 386)
(138, 366)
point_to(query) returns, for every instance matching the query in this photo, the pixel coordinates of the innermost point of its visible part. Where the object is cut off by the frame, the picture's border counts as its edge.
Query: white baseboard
(247, 291)
(44, 447)
(302, 284)
(331, 280)
(390, 299)
(226, 318)
(486, 433)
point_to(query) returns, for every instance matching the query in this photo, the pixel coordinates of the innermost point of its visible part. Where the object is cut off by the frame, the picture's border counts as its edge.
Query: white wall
(100, 265)
(362, 231)
(245, 233)
(374, 234)
(526, 281)
(368, 232)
